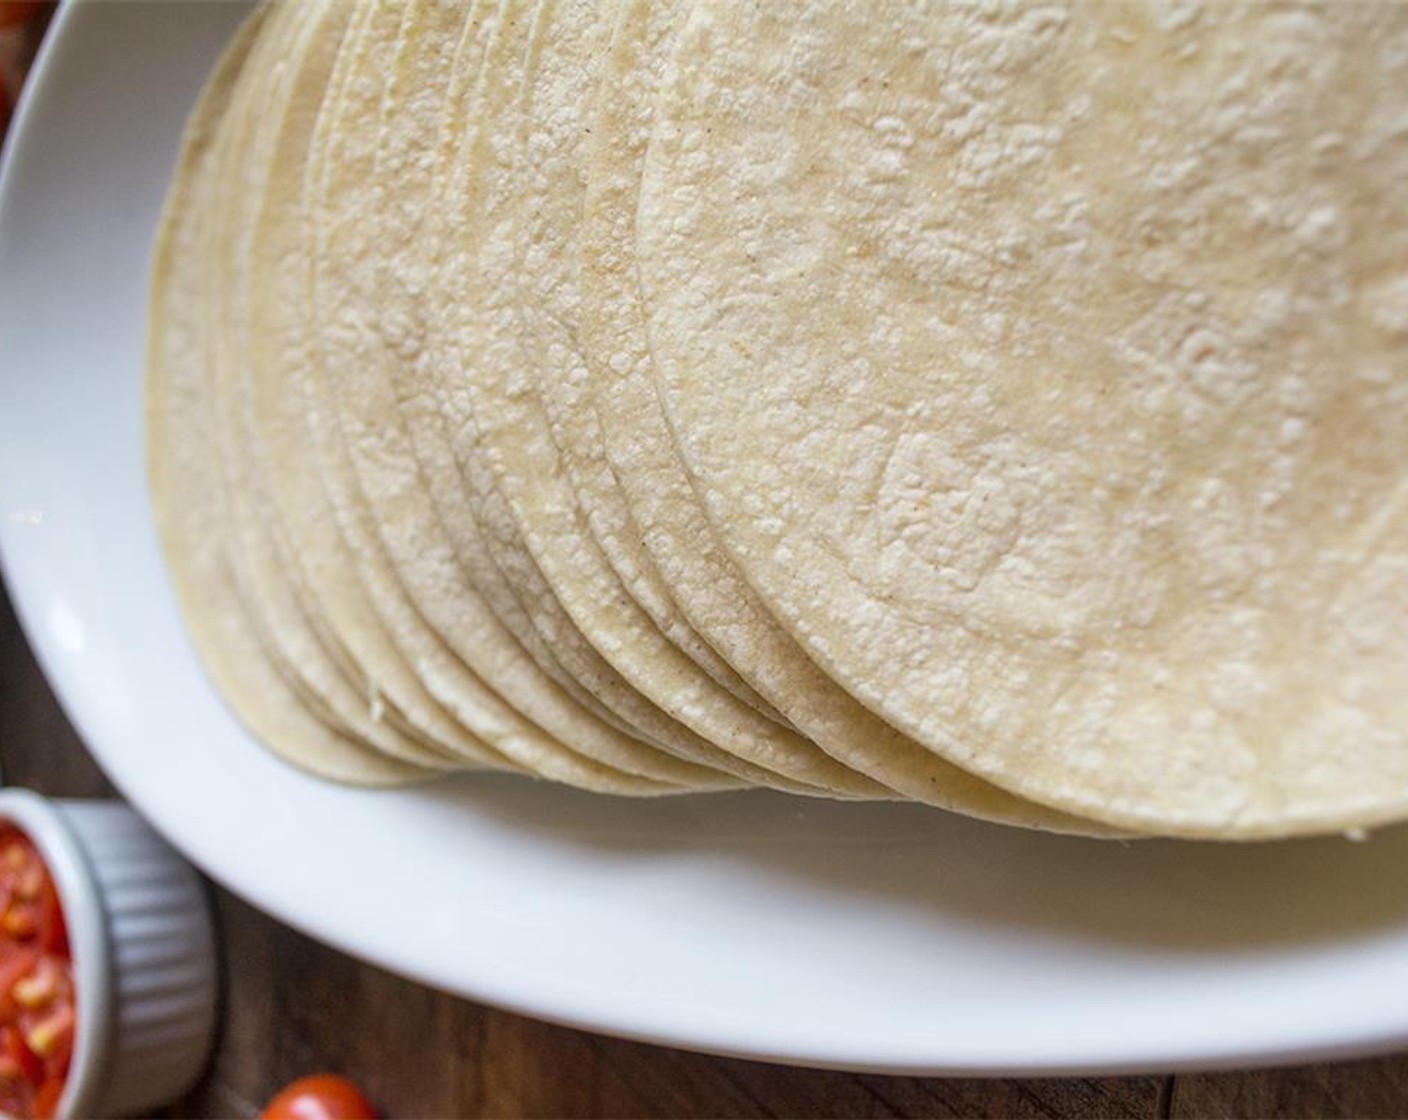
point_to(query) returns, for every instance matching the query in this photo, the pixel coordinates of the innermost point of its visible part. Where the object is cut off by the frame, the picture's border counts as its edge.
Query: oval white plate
(880, 937)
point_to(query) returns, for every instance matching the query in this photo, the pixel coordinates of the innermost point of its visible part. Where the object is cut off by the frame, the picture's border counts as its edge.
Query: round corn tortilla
(231, 131)
(672, 526)
(433, 404)
(413, 331)
(269, 590)
(1044, 372)
(290, 429)
(505, 572)
(551, 190)
(303, 46)
(554, 191)
(186, 493)
(452, 639)
(534, 113)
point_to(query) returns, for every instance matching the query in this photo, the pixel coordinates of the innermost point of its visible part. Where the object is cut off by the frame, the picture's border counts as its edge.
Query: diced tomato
(56, 1067)
(41, 987)
(16, 1095)
(54, 927)
(46, 1100)
(38, 1014)
(21, 921)
(30, 1064)
(51, 1034)
(16, 962)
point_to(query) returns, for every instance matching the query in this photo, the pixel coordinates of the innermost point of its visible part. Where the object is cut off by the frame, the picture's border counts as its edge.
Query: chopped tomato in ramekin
(38, 1011)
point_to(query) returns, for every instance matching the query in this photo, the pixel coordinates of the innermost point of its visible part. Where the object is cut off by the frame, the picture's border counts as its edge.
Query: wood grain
(1376, 1089)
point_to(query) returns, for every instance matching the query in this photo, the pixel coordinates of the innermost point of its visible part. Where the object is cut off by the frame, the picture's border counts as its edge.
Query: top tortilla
(1045, 372)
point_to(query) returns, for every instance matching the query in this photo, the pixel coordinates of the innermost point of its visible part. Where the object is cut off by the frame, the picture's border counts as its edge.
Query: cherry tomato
(15, 12)
(320, 1097)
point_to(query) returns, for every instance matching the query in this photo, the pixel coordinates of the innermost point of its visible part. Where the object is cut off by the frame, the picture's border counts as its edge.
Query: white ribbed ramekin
(143, 953)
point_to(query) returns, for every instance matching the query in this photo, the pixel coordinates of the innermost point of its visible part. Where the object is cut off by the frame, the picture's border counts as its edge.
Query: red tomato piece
(320, 1097)
(37, 1007)
(46, 1101)
(16, 962)
(30, 1064)
(16, 1095)
(53, 933)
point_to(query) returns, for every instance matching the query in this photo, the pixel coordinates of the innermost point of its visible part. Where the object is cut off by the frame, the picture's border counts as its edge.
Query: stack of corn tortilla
(1002, 407)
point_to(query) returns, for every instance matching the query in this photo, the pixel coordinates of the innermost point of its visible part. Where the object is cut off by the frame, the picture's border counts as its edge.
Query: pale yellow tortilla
(432, 403)
(287, 426)
(521, 592)
(624, 657)
(390, 126)
(422, 348)
(620, 389)
(304, 44)
(1044, 372)
(269, 592)
(185, 490)
(279, 24)
(553, 180)
(550, 187)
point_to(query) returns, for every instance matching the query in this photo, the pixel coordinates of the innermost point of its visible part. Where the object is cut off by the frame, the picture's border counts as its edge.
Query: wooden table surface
(292, 1006)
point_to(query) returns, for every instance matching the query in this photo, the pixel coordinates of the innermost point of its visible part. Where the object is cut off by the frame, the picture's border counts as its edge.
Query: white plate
(881, 937)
